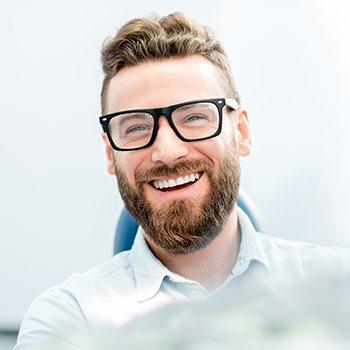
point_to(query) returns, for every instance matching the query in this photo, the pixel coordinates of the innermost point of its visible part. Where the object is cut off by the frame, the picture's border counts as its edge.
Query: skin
(163, 83)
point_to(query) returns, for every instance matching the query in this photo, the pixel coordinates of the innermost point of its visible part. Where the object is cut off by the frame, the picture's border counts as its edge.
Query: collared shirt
(135, 282)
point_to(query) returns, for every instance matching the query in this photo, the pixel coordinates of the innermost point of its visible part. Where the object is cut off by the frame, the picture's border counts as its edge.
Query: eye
(194, 118)
(138, 129)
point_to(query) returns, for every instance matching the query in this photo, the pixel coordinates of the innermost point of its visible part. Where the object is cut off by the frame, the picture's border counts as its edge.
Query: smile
(177, 183)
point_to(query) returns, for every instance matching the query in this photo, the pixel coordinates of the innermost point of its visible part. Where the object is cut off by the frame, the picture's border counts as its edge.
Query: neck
(211, 265)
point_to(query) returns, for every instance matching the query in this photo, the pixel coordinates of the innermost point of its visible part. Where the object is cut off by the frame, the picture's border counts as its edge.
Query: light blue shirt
(135, 282)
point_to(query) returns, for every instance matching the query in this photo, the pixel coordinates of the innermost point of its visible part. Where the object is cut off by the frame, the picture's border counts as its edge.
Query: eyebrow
(199, 104)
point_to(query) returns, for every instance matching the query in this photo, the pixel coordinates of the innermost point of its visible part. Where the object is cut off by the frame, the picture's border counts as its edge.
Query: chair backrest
(127, 225)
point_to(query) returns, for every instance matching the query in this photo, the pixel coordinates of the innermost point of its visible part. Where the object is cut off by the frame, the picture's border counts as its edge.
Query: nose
(167, 147)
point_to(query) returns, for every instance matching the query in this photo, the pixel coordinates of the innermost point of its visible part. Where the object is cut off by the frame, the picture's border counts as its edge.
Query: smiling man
(174, 131)
(177, 174)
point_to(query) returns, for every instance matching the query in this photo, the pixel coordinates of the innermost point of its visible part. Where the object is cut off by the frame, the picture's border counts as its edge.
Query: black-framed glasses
(191, 121)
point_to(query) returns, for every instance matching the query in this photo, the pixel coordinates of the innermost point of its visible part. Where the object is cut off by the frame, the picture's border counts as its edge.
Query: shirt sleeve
(53, 321)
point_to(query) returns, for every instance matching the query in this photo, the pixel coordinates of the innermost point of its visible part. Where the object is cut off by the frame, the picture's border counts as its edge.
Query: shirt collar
(149, 272)
(250, 248)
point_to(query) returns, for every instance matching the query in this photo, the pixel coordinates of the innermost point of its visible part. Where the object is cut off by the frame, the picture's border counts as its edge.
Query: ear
(109, 154)
(243, 133)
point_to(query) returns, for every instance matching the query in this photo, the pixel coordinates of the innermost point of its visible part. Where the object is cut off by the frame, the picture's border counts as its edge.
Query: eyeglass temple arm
(232, 103)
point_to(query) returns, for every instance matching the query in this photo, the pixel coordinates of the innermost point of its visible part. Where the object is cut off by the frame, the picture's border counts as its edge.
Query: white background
(58, 206)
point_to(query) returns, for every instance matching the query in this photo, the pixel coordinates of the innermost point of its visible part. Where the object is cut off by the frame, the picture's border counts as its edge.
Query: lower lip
(191, 190)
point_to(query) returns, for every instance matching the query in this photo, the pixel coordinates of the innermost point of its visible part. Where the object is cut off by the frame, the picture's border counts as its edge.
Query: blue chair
(127, 225)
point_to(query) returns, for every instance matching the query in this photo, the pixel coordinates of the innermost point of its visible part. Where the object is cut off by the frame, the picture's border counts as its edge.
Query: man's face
(185, 218)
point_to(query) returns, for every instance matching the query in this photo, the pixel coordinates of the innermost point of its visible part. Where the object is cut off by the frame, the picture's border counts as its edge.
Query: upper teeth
(175, 182)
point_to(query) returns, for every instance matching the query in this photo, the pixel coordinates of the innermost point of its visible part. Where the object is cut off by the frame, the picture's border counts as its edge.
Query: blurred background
(58, 205)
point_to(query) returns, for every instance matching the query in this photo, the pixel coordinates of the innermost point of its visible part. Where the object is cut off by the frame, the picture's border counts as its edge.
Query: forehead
(163, 83)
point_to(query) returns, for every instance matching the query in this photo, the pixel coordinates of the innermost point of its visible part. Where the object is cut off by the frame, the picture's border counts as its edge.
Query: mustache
(177, 169)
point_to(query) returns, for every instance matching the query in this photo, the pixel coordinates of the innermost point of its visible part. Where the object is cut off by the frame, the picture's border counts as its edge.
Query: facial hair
(185, 225)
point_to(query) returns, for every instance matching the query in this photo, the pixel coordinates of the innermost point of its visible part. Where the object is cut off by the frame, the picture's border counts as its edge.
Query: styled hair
(157, 38)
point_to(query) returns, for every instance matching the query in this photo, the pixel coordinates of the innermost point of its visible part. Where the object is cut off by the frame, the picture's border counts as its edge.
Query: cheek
(214, 148)
(129, 163)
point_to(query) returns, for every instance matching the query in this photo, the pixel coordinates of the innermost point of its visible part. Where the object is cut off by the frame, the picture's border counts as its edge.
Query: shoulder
(64, 311)
(303, 257)
(110, 274)
(99, 275)
(120, 264)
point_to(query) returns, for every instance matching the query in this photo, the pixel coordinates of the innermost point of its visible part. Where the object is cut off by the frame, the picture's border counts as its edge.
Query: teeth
(165, 184)
(180, 181)
(175, 182)
(172, 183)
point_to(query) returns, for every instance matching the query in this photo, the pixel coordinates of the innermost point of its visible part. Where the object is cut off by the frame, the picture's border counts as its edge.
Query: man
(174, 130)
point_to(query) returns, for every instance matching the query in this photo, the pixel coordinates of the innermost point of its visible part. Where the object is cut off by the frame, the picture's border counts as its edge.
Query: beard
(185, 225)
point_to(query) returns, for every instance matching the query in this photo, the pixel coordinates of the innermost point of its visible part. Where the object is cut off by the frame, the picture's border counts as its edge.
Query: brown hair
(156, 38)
